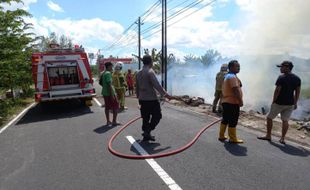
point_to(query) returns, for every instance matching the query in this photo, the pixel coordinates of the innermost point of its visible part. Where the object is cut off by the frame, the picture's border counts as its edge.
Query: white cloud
(83, 32)
(280, 28)
(246, 4)
(55, 7)
(14, 5)
(196, 32)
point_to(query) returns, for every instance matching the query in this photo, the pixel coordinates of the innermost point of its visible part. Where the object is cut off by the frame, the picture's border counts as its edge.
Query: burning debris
(192, 101)
(304, 125)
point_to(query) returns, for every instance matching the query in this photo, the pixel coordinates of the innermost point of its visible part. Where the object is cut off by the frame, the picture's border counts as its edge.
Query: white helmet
(118, 66)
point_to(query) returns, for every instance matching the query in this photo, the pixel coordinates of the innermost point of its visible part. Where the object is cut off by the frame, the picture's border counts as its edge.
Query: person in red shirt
(129, 80)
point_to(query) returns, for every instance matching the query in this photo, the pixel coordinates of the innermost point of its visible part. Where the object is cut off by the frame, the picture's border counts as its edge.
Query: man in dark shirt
(285, 99)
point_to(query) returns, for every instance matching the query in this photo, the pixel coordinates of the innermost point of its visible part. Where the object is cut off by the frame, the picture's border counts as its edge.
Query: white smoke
(276, 27)
(274, 30)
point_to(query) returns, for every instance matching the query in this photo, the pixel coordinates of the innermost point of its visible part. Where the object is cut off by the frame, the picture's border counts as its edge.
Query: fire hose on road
(128, 156)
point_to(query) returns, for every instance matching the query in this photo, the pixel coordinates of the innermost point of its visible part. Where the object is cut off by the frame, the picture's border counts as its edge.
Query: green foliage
(156, 57)
(94, 70)
(190, 59)
(53, 38)
(15, 49)
(9, 107)
(210, 57)
(305, 93)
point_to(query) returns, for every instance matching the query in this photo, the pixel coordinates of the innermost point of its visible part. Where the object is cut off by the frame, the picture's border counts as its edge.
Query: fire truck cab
(60, 74)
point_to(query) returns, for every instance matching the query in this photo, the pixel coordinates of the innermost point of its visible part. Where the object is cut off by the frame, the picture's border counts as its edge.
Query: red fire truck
(60, 74)
(102, 61)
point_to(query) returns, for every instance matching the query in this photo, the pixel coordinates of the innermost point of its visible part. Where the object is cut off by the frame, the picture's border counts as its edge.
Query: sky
(259, 33)
(232, 27)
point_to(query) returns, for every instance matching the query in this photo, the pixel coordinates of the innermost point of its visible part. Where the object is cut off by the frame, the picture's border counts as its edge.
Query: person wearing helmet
(119, 83)
(218, 89)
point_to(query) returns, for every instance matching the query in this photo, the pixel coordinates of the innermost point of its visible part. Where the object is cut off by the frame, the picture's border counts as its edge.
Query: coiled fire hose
(128, 156)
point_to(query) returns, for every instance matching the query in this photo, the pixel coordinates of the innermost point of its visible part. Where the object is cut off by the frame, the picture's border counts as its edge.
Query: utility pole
(139, 42)
(164, 45)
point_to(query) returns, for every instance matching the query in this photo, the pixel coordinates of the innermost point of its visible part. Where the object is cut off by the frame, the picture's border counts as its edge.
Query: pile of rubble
(191, 101)
(304, 125)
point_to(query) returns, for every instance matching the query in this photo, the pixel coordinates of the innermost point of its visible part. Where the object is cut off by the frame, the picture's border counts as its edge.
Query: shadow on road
(54, 110)
(289, 149)
(236, 149)
(104, 128)
(149, 147)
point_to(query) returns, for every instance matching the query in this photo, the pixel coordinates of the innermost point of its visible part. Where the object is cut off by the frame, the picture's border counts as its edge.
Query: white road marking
(156, 167)
(17, 117)
(97, 101)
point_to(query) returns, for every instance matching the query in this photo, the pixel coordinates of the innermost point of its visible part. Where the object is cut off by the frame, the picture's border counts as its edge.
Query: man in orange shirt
(231, 102)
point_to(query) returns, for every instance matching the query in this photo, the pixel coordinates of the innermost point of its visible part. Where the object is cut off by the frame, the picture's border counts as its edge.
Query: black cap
(107, 64)
(286, 64)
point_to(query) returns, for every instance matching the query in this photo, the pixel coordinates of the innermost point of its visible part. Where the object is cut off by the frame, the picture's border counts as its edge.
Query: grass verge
(305, 93)
(10, 107)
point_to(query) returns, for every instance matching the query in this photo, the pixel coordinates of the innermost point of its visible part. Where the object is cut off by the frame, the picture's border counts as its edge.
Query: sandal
(282, 141)
(116, 124)
(264, 138)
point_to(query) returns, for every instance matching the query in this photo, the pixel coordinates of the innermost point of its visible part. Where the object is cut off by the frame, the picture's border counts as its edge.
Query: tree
(156, 57)
(94, 70)
(210, 57)
(45, 41)
(15, 48)
(190, 59)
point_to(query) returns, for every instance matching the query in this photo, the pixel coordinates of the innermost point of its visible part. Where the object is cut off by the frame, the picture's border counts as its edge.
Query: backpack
(101, 80)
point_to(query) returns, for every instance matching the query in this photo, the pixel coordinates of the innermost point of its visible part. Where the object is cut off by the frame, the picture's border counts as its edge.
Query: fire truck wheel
(87, 102)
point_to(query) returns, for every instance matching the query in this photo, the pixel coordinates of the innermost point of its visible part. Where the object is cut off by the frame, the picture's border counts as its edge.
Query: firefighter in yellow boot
(231, 102)
(119, 84)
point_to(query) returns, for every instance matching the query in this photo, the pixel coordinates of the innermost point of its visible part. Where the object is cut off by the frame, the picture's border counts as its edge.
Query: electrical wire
(180, 19)
(127, 40)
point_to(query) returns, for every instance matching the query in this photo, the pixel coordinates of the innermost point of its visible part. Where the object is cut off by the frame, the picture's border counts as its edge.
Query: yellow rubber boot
(222, 136)
(233, 136)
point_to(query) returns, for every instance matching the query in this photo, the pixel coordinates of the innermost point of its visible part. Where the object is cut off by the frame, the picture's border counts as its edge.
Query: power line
(184, 9)
(152, 9)
(121, 37)
(167, 11)
(130, 39)
(147, 12)
(193, 12)
(181, 18)
(124, 38)
(174, 15)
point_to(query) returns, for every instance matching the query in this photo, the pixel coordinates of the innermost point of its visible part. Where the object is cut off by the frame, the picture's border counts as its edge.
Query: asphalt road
(64, 146)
